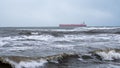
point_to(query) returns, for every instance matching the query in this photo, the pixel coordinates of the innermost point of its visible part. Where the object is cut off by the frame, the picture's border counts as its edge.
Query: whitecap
(27, 64)
(32, 64)
(60, 46)
(110, 55)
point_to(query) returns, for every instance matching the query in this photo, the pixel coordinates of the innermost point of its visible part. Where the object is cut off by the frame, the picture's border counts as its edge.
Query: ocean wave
(22, 62)
(108, 54)
(52, 33)
(61, 33)
(91, 28)
(97, 56)
(32, 62)
(58, 32)
(63, 47)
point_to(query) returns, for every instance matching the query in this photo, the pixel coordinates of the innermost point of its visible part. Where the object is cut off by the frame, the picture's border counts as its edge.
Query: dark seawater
(55, 47)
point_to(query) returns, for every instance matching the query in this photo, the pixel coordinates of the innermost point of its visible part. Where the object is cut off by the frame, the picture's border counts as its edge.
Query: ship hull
(72, 25)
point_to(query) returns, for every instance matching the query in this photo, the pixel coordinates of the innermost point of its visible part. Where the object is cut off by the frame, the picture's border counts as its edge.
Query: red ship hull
(72, 25)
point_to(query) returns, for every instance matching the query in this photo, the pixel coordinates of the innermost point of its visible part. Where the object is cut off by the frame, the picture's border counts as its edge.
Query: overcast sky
(19, 13)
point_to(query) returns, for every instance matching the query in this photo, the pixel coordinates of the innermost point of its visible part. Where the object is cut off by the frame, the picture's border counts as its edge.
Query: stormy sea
(59, 47)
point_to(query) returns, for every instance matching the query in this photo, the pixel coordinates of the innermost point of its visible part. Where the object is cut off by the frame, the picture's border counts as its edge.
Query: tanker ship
(72, 25)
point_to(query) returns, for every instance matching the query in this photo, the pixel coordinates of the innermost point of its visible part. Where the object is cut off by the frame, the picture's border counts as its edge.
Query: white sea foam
(20, 48)
(110, 55)
(2, 43)
(75, 29)
(36, 37)
(5, 40)
(34, 33)
(93, 28)
(32, 64)
(64, 46)
(60, 46)
(80, 29)
(41, 37)
(45, 29)
(48, 39)
(27, 64)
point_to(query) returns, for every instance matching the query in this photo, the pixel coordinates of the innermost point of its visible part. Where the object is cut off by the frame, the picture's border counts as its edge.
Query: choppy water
(54, 47)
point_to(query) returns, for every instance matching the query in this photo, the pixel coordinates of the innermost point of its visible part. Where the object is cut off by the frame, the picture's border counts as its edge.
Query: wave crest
(108, 54)
(32, 62)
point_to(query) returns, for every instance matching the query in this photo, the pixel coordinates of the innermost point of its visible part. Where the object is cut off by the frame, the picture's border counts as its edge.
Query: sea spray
(108, 54)
(34, 62)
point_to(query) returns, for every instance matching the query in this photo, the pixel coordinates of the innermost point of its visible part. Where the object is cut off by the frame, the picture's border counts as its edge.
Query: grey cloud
(54, 12)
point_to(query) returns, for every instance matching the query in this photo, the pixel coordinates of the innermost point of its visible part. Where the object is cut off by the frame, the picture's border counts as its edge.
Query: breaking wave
(21, 62)
(75, 47)
(32, 62)
(61, 33)
(97, 56)
(108, 54)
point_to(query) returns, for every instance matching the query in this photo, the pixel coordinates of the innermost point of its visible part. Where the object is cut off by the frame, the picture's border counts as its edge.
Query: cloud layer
(55, 12)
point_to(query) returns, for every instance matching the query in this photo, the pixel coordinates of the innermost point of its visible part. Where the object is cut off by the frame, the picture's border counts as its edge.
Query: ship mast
(83, 22)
